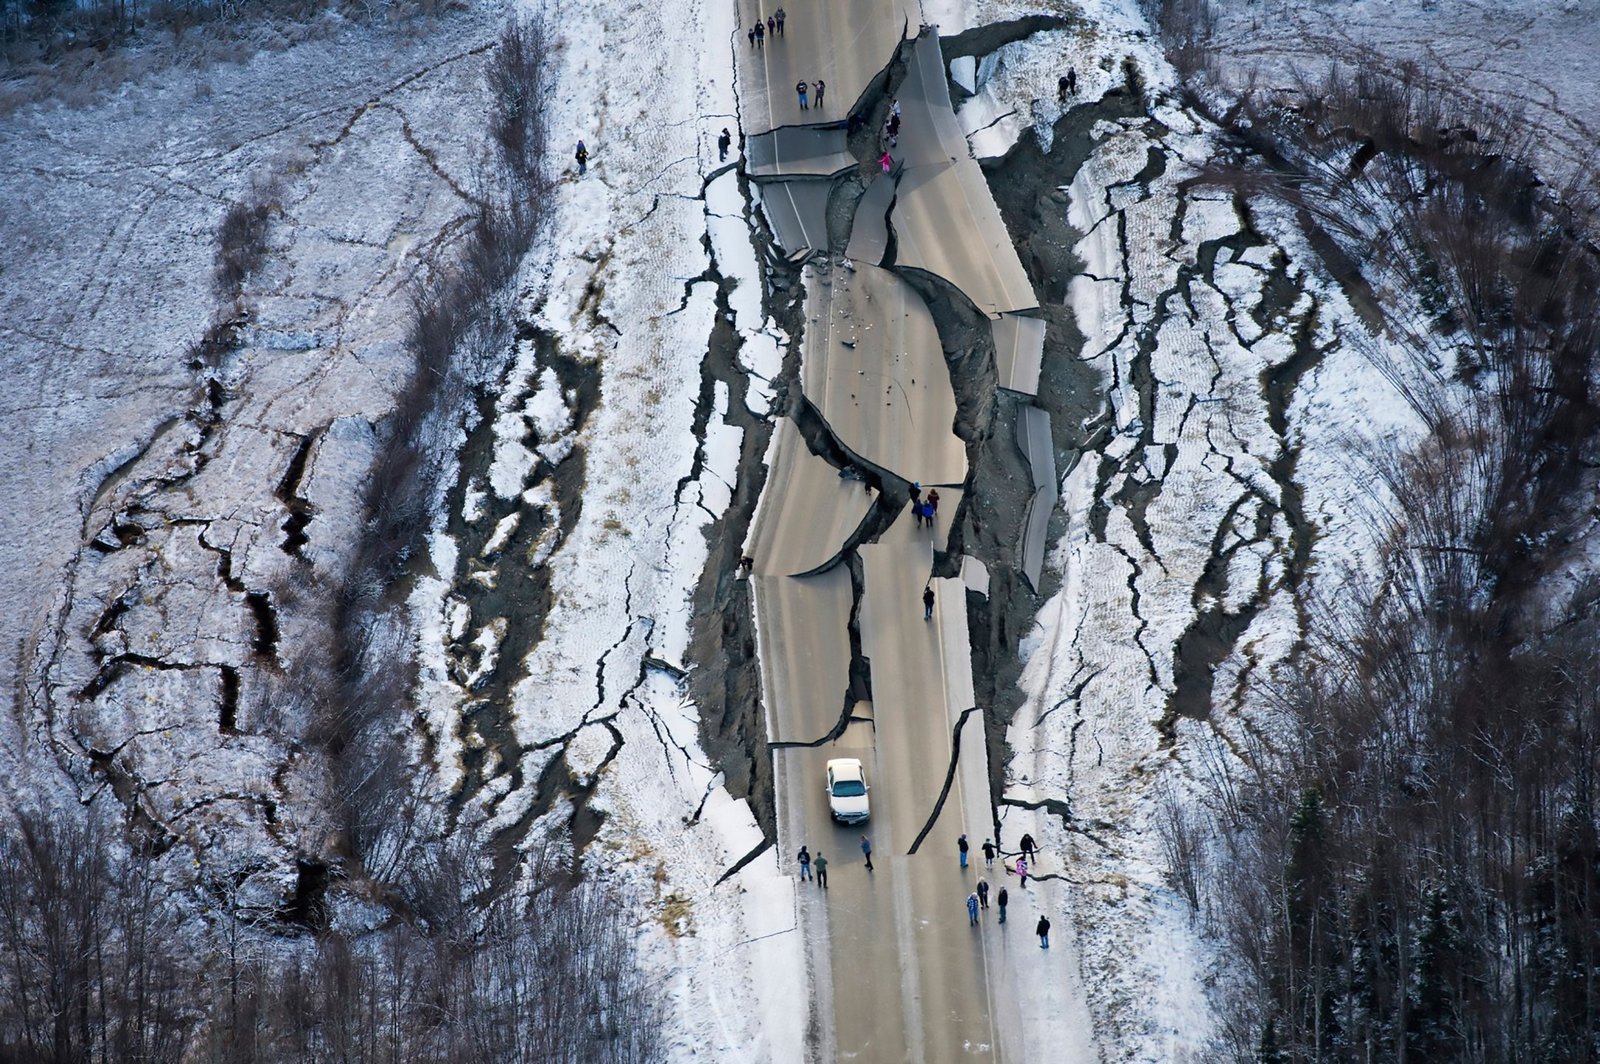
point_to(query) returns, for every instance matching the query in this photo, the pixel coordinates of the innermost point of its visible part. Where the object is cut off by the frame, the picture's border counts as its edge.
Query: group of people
(773, 27)
(979, 898)
(819, 88)
(815, 869)
(924, 510)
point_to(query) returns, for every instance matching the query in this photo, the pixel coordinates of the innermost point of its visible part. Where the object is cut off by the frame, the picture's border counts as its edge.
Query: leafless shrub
(242, 236)
(1182, 846)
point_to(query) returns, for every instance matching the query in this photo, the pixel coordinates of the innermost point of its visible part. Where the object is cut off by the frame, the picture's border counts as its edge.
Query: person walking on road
(927, 615)
(822, 870)
(1043, 931)
(933, 501)
(866, 851)
(821, 86)
(988, 854)
(961, 847)
(983, 893)
(761, 34)
(894, 109)
(1000, 903)
(1022, 872)
(972, 909)
(887, 162)
(582, 155)
(1072, 80)
(723, 143)
(772, 26)
(805, 864)
(752, 35)
(800, 90)
(1027, 846)
(916, 491)
(779, 16)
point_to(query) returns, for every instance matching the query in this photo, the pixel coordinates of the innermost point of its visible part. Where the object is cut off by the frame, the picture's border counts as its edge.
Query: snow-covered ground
(145, 508)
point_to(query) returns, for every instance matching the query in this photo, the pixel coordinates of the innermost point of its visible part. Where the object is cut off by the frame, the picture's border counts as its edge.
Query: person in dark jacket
(1000, 900)
(821, 864)
(961, 848)
(582, 155)
(723, 143)
(1043, 931)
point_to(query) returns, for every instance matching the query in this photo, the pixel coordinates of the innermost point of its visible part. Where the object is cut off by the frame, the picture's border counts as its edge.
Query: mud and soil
(1027, 186)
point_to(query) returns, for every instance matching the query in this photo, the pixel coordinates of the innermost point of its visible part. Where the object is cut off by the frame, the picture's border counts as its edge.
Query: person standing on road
(800, 90)
(1000, 903)
(961, 847)
(821, 86)
(1043, 931)
(805, 864)
(723, 143)
(983, 893)
(988, 854)
(866, 851)
(822, 870)
(1072, 80)
(927, 615)
(780, 16)
(582, 155)
(1027, 846)
(972, 909)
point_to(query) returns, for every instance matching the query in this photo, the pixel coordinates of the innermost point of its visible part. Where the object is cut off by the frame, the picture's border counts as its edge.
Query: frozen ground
(146, 502)
(1535, 58)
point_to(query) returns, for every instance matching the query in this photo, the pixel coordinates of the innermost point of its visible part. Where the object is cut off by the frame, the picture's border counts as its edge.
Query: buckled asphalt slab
(1018, 352)
(945, 221)
(797, 211)
(873, 366)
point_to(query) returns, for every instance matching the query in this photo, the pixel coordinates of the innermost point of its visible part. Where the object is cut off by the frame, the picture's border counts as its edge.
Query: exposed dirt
(1026, 185)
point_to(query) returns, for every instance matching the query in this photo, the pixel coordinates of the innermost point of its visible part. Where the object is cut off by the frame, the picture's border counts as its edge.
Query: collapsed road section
(871, 658)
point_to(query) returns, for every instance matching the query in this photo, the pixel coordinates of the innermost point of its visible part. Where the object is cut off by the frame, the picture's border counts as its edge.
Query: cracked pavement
(849, 665)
